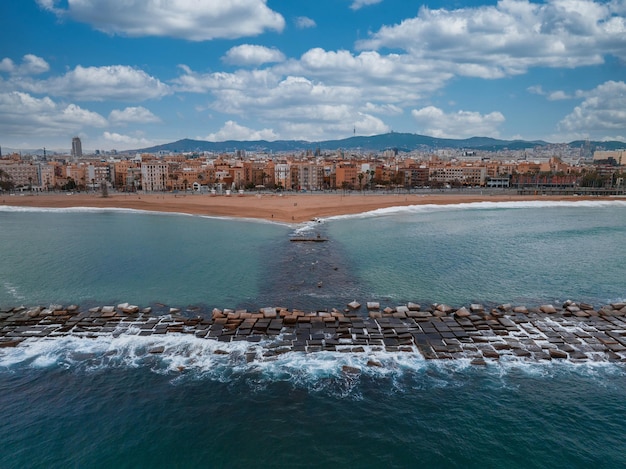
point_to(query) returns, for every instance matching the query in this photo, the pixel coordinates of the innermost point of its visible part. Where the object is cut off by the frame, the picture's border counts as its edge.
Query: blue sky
(125, 74)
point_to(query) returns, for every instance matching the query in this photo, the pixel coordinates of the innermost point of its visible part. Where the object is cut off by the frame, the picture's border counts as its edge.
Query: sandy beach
(282, 208)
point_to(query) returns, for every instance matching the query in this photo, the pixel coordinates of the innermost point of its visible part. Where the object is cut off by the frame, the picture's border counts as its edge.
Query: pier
(572, 331)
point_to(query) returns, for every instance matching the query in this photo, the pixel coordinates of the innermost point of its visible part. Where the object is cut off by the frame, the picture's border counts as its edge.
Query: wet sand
(282, 208)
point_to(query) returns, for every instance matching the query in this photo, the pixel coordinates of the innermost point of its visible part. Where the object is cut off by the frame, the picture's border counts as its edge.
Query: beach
(285, 207)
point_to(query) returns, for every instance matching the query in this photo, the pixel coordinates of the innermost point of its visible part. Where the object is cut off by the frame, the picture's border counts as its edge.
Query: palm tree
(5, 180)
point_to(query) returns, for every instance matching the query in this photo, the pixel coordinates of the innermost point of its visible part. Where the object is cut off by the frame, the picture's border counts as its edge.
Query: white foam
(428, 208)
(185, 357)
(13, 291)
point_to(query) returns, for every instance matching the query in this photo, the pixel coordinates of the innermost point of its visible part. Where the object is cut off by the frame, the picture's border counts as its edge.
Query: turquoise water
(107, 402)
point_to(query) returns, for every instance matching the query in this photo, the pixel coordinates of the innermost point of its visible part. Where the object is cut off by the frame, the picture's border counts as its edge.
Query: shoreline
(287, 208)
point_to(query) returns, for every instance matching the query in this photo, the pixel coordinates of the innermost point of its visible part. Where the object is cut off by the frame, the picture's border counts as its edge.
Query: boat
(306, 239)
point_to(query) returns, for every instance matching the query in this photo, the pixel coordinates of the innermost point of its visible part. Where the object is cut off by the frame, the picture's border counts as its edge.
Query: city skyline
(136, 74)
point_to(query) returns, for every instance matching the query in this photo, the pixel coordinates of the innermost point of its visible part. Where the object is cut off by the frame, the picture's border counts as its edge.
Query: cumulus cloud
(249, 54)
(114, 82)
(303, 22)
(113, 139)
(358, 4)
(139, 115)
(31, 65)
(510, 37)
(602, 112)
(23, 114)
(233, 131)
(462, 124)
(194, 20)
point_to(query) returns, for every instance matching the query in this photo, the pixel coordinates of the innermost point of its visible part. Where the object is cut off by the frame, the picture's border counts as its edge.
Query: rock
(479, 361)
(34, 312)
(374, 363)
(555, 353)
(388, 310)
(350, 370)
(354, 305)
(158, 349)
(269, 313)
(505, 307)
(10, 343)
(373, 305)
(476, 308)
(520, 309)
(618, 306)
(174, 310)
(107, 309)
(462, 313)
(547, 309)
(444, 308)
(221, 352)
(413, 306)
(585, 306)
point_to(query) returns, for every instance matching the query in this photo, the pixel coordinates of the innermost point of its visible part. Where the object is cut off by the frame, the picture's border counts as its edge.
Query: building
(77, 148)
(23, 175)
(154, 175)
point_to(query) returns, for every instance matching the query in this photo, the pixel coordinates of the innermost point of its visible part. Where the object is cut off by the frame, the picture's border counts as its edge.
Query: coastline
(287, 208)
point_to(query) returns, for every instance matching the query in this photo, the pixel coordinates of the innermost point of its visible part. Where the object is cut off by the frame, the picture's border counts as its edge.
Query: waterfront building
(47, 176)
(346, 176)
(22, 174)
(154, 175)
(97, 174)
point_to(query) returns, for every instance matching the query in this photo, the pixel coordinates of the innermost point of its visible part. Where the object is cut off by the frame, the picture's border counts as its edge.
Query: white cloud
(510, 37)
(233, 131)
(603, 112)
(23, 114)
(194, 20)
(139, 115)
(114, 82)
(112, 139)
(462, 124)
(304, 22)
(249, 54)
(357, 4)
(558, 96)
(31, 65)
(385, 109)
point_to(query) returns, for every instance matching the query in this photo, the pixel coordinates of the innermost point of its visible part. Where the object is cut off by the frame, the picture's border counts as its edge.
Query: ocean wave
(429, 208)
(185, 357)
(20, 209)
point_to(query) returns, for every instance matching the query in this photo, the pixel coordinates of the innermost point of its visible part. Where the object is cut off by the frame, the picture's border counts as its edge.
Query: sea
(76, 402)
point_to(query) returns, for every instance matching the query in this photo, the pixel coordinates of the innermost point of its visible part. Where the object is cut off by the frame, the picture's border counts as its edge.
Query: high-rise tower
(77, 148)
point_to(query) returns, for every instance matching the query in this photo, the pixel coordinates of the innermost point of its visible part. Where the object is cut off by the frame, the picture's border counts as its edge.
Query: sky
(127, 74)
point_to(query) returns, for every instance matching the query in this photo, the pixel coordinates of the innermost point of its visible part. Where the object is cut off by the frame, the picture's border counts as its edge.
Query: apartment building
(154, 175)
(22, 174)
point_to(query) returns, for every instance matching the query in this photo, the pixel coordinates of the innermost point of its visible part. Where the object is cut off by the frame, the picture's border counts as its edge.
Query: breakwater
(571, 331)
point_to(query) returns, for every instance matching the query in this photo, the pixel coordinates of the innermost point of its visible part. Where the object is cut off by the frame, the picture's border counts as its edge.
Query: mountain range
(392, 140)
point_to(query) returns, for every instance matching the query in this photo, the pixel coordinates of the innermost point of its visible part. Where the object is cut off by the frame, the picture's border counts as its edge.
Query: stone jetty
(571, 331)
